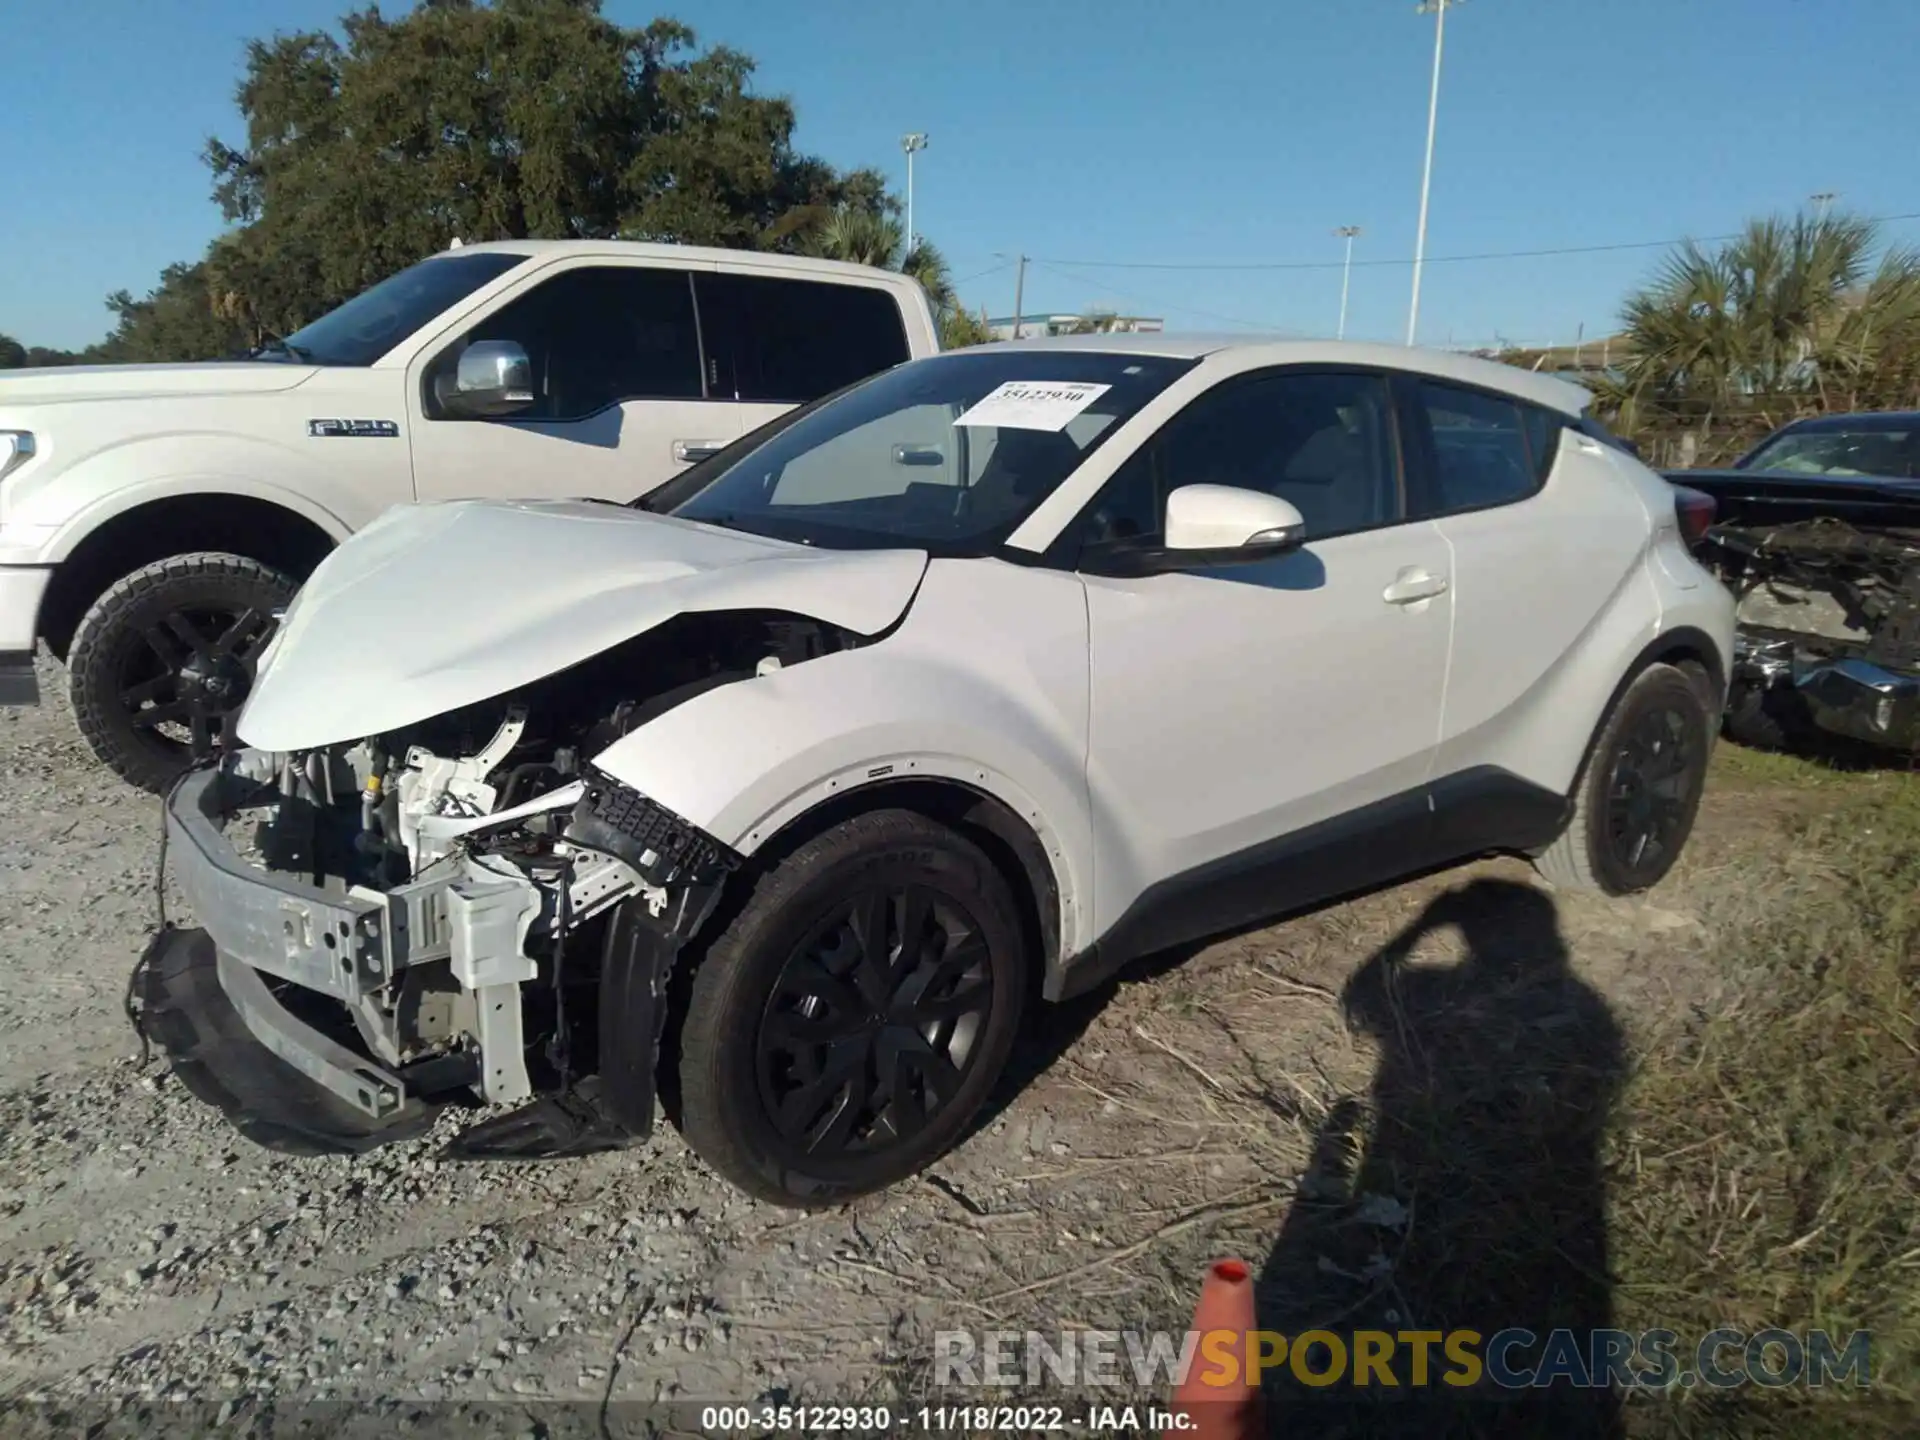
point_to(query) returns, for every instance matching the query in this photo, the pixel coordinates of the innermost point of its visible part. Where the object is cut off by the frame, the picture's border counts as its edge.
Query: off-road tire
(1585, 856)
(116, 627)
(723, 1113)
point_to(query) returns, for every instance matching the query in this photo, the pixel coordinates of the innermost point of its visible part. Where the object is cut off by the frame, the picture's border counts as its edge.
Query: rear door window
(783, 341)
(1483, 448)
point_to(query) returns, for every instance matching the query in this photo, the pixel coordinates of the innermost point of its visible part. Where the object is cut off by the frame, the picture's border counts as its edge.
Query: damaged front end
(464, 912)
(1829, 617)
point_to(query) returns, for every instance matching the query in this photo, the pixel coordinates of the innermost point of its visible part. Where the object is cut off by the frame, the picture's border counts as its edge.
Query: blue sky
(1140, 131)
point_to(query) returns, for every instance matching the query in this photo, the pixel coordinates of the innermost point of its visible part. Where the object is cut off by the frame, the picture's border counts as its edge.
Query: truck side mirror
(493, 377)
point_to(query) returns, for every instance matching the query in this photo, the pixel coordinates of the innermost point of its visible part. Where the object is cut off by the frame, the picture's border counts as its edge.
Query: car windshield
(374, 321)
(1875, 452)
(948, 453)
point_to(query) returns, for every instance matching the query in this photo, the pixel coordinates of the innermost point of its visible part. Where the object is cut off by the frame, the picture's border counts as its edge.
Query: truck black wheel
(164, 660)
(847, 1024)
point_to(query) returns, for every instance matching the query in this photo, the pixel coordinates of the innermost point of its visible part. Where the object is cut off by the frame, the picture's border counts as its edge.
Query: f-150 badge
(329, 429)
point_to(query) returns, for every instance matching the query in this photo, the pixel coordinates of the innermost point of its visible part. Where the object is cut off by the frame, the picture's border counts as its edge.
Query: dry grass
(1765, 1166)
(1584, 1116)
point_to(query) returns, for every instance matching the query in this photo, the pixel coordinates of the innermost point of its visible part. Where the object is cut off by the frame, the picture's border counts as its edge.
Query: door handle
(687, 451)
(1413, 584)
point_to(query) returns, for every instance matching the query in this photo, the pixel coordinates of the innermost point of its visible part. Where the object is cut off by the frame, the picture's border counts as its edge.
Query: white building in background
(1097, 322)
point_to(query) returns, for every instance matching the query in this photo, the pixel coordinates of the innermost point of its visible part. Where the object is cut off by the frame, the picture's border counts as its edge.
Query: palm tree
(865, 237)
(1788, 318)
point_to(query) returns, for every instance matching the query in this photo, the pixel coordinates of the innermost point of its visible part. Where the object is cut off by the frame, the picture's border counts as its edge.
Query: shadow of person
(1465, 1194)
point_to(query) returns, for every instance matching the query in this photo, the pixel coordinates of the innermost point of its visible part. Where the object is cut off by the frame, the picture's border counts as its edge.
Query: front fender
(743, 761)
(68, 537)
(65, 502)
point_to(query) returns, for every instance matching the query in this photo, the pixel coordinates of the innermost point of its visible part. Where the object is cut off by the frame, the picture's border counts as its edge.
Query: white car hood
(433, 607)
(55, 384)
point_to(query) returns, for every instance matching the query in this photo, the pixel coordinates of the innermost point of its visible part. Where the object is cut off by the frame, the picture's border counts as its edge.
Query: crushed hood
(434, 607)
(56, 384)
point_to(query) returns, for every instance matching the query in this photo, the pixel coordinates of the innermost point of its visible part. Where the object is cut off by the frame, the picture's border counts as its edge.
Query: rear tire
(164, 660)
(1768, 718)
(1639, 790)
(848, 1023)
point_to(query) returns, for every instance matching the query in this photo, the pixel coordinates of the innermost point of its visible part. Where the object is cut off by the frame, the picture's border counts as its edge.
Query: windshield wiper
(274, 345)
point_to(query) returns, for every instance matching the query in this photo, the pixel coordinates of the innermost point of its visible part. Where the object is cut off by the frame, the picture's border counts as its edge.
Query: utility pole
(1438, 9)
(1346, 275)
(910, 144)
(1019, 294)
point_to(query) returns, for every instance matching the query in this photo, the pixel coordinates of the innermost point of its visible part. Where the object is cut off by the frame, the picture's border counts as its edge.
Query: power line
(993, 269)
(1430, 260)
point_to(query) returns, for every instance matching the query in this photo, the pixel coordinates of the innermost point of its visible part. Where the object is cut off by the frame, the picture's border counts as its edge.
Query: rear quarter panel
(1553, 601)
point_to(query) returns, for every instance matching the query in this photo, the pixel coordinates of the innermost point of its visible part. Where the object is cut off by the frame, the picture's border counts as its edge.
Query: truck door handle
(1413, 584)
(687, 451)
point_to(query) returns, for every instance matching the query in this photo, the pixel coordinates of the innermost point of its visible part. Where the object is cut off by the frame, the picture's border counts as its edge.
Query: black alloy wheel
(873, 1021)
(164, 661)
(1639, 789)
(194, 671)
(846, 1024)
(1652, 790)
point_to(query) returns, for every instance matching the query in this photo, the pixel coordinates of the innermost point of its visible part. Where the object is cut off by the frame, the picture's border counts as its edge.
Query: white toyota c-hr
(782, 792)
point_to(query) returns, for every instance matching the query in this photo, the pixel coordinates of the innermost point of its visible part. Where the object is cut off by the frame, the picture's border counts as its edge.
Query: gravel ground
(148, 1254)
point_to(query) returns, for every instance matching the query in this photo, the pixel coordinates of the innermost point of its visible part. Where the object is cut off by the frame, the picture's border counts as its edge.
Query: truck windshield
(374, 321)
(949, 453)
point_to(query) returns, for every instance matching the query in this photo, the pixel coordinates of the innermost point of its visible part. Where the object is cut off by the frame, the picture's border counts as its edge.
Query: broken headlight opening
(1829, 624)
(410, 921)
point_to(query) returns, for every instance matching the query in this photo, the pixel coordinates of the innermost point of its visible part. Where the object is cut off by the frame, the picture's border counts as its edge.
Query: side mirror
(1225, 525)
(1206, 526)
(494, 377)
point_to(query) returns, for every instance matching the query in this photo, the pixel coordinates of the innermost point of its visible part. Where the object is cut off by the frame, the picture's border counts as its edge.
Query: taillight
(1695, 510)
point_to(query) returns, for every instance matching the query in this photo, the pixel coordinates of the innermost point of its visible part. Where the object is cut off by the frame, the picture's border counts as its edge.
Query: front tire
(846, 1026)
(164, 660)
(1639, 790)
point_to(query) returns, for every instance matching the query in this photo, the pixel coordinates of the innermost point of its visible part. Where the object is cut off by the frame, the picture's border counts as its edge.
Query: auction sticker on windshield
(1033, 404)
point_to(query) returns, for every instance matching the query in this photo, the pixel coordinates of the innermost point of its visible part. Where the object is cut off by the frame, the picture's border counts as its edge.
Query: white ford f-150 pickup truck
(154, 519)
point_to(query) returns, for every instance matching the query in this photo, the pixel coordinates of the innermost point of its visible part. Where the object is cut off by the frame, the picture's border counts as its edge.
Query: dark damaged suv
(1817, 531)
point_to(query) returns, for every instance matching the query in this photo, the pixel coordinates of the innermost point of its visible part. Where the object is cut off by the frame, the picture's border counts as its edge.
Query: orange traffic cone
(1218, 1401)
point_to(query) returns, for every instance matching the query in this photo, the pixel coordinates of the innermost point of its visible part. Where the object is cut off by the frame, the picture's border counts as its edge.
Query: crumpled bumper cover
(1850, 696)
(250, 1007)
(221, 1001)
(187, 1011)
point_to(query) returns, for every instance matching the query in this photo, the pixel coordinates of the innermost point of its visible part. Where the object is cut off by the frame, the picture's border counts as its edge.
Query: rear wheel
(164, 660)
(847, 1025)
(1639, 791)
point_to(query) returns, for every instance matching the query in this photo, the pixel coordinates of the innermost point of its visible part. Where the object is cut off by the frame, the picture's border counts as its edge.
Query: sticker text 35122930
(1032, 404)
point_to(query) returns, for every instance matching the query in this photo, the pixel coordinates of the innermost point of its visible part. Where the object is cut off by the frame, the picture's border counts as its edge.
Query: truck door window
(597, 336)
(786, 342)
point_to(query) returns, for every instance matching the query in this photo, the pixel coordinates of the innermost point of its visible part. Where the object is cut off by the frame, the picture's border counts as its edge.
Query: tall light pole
(911, 143)
(1822, 202)
(1346, 274)
(1438, 9)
